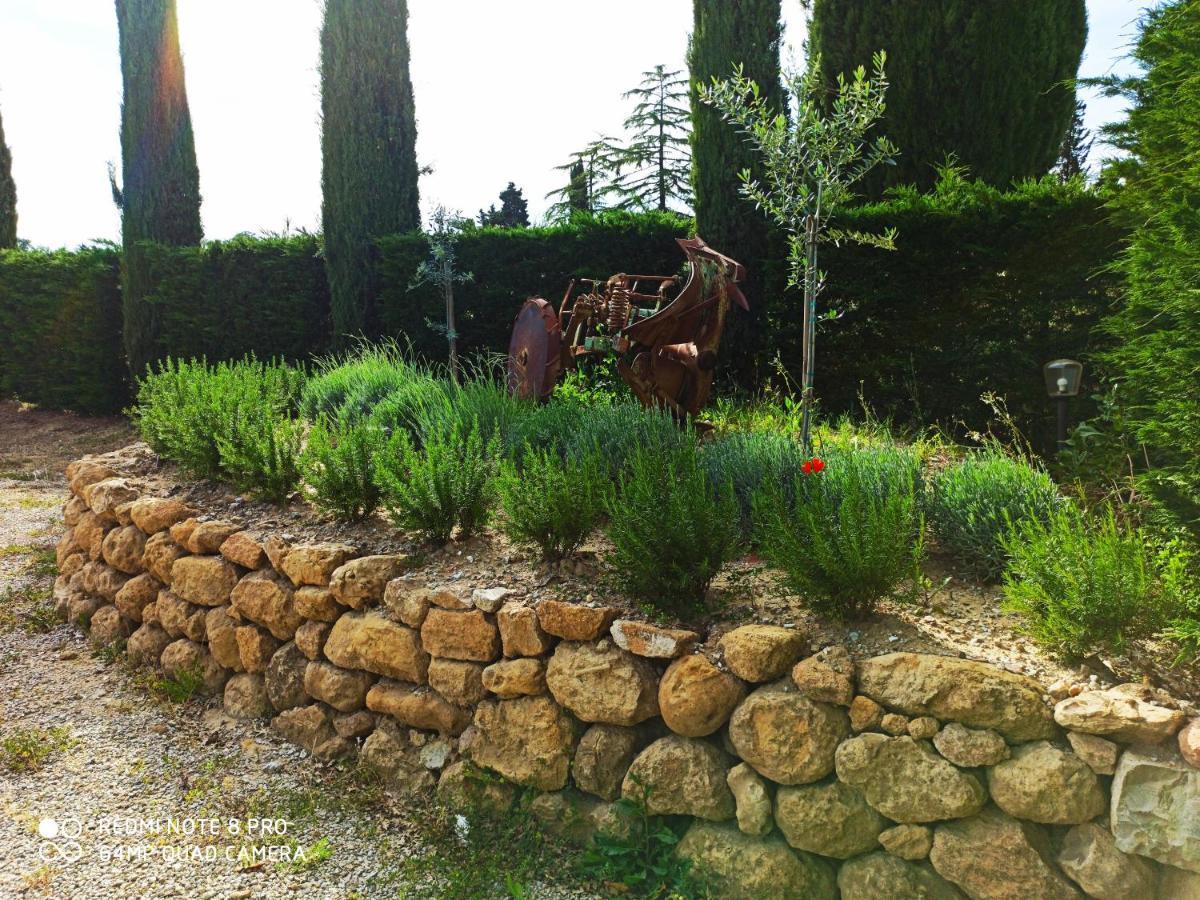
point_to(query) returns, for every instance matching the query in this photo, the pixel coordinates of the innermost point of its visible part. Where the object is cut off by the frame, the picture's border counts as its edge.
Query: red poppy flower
(817, 464)
(806, 467)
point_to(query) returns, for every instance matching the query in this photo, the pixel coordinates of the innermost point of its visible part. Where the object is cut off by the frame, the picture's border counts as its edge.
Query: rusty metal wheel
(534, 353)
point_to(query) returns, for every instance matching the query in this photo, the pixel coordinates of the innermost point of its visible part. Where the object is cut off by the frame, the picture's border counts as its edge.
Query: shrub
(356, 384)
(339, 465)
(845, 536)
(972, 505)
(671, 531)
(747, 461)
(483, 401)
(1090, 584)
(551, 504)
(260, 452)
(448, 482)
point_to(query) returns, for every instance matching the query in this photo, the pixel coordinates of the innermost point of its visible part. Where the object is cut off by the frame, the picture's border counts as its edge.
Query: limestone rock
(739, 866)
(511, 678)
(528, 740)
(644, 639)
(160, 556)
(285, 677)
(387, 751)
(752, 799)
(1042, 783)
(761, 652)
(220, 630)
(256, 647)
(207, 537)
(246, 697)
(911, 842)
(122, 548)
(181, 531)
(489, 599)
(970, 747)
(154, 514)
(865, 714)
(958, 690)
(449, 598)
(354, 725)
(1176, 884)
(267, 599)
(827, 676)
(1127, 714)
(459, 682)
(830, 818)
(241, 549)
(369, 641)
(1155, 798)
(146, 645)
(72, 510)
(603, 683)
(467, 635)
(317, 604)
(107, 627)
(361, 581)
(894, 724)
(134, 594)
(602, 758)
(204, 580)
(306, 726)
(922, 728)
(89, 534)
(681, 776)
(1100, 754)
(82, 607)
(85, 472)
(105, 496)
(992, 856)
(276, 549)
(520, 632)
(417, 707)
(180, 618)
(183, 658)
(460, 787)
(906, 781)
(785, 736)
(310, 638)
(344, 690)
(407, 602)
(311, 563)
(1189, 743)
(879, 876)
(566, 815)
(1089, 855)
(573, 621)
(696, 698)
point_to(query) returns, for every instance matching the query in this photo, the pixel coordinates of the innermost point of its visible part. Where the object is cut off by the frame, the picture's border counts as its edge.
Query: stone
(644, 639)
(285, 677)
(1155, 799)
(386, 752)
(785, 736)
(182, 531)
(574, 621)
(154, 514)
(970, 747)
(122, 548)
(449, 599)
(827, 676)
(241, 549)
(830, 818)
(1042, 783)
(107, 627)
(489, 599)
(739, 866)
(894, 724)
(135, 594)
(180, 618)
(89, 534)
(1176, 884)
(85, 472)
(1099, 753)
(906, 781)
(459, 682)
(602, 758)
(879, 876)
(923, 728)
(528, 740)
(207, 537)
(310, 563)
(185, 657)
(958, 690)
(520, 632)
(344, 690)
(246, 697)
(256, 647)
(105, 496)
(567, 816)
(1090, 857)
(752, 800)
(681, 776)
(370, 642)
(150, 612)
(911, 842)
(511, 678)
(865, 714)
(992, 856)
(123, 512)
(417, 707)
(355, 724)
(310, 638)
(220, 630)
(603, 683)
(276, 549)
(81, 608)
(160, 556)
(696, 698)
(72, 510)
(265, 598)
(467, 635)
(205, 580)
(306, 726)
(758, 653)
(436, 753)
(1189, 743)
(361, 581)
(461, 787)
(1127, 714)
(146, 645)
(407, 602)
(317, 604)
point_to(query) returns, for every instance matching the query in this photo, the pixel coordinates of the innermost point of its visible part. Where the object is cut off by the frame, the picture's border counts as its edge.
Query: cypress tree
(368, 144)
(987, 81)
(160, 195)
(8, 196)
(727, 33)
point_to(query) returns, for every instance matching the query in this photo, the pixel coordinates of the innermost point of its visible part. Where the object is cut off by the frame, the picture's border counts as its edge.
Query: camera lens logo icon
(59, 844)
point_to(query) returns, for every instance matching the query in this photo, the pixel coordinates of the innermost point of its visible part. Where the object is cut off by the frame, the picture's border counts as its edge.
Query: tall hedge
(726, 33)
(8, 196)
(981, 79)
(368, 145)
(160, 190)
(60, 329)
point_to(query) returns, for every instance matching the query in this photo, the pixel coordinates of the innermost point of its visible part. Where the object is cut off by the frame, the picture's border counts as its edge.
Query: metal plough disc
(534, 358)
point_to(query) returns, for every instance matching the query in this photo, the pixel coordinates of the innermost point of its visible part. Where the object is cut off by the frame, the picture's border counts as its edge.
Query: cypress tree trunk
(8, 196)
(980, 79)
(368, 143)
(726, 33)
(160, 194)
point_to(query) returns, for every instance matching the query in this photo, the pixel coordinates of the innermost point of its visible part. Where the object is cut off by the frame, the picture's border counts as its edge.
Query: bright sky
(505, 91)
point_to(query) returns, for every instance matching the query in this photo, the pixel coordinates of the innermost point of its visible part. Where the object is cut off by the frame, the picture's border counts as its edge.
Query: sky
(504, 92)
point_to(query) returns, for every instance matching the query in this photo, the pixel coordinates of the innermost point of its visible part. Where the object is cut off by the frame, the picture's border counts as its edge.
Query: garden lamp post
(1063, 377)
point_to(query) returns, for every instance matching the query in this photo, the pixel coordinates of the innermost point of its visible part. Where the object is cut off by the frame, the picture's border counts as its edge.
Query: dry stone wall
(807, 774)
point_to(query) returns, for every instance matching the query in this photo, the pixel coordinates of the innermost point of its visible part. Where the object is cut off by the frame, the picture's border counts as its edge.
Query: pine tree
(513, 211)
(984, 81)
(1076, 145)
(654, 167)
(8, 196)
(368, 147)
(589, 181)
(160, 193)
(725, 34)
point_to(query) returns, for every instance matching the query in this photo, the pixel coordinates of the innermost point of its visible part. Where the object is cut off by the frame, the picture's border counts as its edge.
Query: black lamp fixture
(1063, 377)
